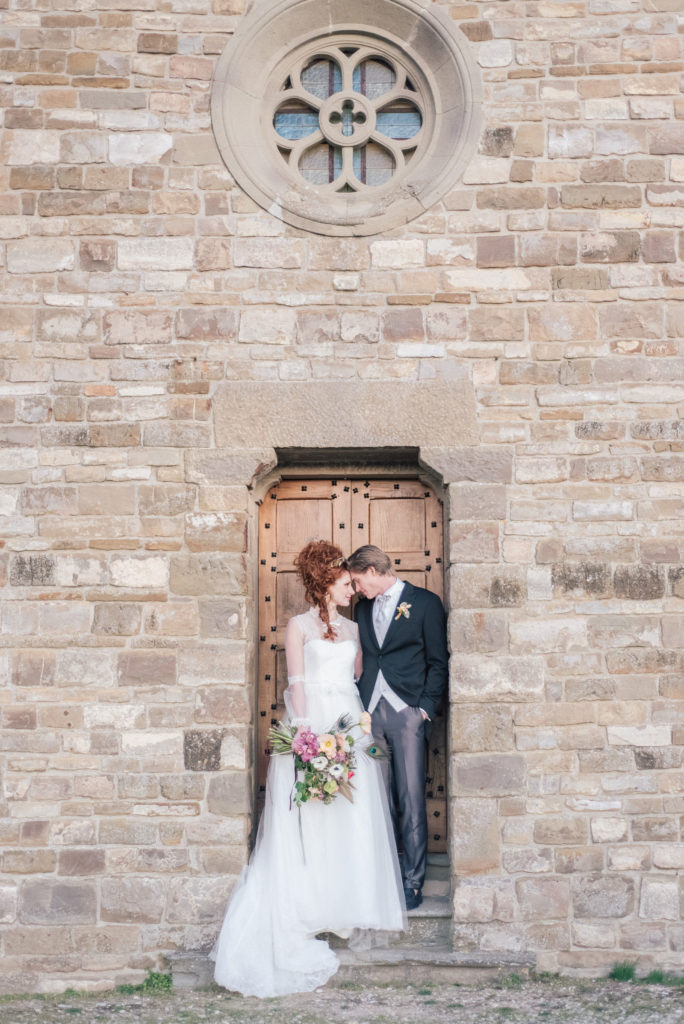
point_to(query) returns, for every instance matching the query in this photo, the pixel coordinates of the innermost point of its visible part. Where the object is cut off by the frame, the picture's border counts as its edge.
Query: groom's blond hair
(369, 556)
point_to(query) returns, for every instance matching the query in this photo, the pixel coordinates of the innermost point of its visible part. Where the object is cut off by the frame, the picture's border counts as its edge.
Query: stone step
(437, 887)
(398, 964)
(429, 925)
(418, 964)
(191, 970)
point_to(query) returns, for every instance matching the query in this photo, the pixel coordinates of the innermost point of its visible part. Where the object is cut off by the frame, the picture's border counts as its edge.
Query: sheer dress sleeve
(295, 696)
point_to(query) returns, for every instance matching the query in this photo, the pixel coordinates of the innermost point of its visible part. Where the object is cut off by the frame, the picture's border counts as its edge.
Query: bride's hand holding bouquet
(325, 762)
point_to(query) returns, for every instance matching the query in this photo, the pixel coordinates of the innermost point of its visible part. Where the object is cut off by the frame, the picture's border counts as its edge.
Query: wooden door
(404, 518)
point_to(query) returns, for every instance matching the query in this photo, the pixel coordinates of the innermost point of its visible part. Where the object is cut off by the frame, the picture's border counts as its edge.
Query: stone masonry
(139, 287)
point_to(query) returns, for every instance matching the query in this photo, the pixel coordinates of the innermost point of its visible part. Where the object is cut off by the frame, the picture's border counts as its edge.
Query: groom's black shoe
(413, 897)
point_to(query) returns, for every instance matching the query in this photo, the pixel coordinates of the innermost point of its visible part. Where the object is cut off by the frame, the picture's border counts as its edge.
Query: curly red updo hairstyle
(319, 565)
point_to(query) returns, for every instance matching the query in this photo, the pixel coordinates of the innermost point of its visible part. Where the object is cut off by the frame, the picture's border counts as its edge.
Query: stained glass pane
(373, 164)
(373, 78)
(321, 164)
(322, 78)
(295, 120)
(402, 123)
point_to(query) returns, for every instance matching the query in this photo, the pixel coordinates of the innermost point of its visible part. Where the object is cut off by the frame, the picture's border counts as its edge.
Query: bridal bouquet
(325, 763)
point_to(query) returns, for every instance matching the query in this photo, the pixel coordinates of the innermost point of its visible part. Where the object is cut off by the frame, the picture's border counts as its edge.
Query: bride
(322, 867)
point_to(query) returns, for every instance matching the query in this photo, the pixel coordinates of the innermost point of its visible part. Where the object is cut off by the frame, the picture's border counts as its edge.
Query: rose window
(348, 118)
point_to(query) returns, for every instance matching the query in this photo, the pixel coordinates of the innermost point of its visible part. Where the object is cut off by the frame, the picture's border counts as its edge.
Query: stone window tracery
(342, 117)
(348, 117)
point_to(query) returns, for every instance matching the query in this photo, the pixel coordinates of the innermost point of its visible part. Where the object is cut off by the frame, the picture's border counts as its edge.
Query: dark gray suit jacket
(414, 657)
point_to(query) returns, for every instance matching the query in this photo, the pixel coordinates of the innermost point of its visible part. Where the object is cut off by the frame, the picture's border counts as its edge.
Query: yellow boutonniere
(403, 609)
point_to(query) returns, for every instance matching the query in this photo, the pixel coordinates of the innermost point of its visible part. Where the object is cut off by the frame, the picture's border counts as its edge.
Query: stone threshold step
(432, 906)
(438, 956)
(397, 964)
(424, 965)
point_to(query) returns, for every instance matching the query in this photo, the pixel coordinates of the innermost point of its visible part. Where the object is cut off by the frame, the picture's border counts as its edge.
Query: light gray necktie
(381, 624)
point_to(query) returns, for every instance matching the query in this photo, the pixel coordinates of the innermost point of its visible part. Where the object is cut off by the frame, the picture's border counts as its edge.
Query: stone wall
(138, 282)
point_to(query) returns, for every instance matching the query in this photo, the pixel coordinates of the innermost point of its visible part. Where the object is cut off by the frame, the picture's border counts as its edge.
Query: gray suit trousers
(403, 733)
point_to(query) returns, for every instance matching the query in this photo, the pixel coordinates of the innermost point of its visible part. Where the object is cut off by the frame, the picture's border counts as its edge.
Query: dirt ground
(511, 999)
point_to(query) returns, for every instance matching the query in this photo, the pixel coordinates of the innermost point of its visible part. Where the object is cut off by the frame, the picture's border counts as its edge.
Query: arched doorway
(404, 518)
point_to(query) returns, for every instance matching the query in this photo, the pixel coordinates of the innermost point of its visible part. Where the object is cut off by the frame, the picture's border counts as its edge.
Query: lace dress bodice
(321, 671)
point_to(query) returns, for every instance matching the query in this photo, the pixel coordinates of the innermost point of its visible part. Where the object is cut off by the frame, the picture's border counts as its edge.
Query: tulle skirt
(318, 868)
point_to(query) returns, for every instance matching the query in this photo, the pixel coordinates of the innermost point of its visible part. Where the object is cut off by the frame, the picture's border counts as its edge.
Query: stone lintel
(344, 414)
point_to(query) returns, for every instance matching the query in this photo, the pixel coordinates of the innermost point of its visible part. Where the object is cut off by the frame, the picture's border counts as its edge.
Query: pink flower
(305, 743)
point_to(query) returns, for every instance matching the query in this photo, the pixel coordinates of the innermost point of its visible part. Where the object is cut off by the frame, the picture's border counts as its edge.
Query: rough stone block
(475, 839)
(659, 900)
(550, 831)
(207, 574)
(398, 254)
(228, 794)
(131, 148)
(124, 832)
(32, 570)
(194, 901)
(34, 256)
(81, 862)
(593, 936)
(543, 897)
(482, 678)
(113, 619)
(484, 899)
(222, 705)
(494, 323)
(474, 542)
(216, 531)
(488, 774)
(137, 327)
(52, 901)
(219, 664)
(603, 896)
(148, 743)
(222, 618)
(640, 736)
(202, 750)
(139, 900)
(146, 668)
(578, 859)
(207, 324)
(265, 327)
(581, 578)
(562, 322)
(479, 728)
(477, 501)
(639, 583)
(611, 247)
(155, 254)
(34, 668)
(139, 571)
(477, 465)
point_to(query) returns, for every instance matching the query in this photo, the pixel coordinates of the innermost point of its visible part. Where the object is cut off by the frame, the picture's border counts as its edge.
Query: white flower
(319, 763)
(336, 770)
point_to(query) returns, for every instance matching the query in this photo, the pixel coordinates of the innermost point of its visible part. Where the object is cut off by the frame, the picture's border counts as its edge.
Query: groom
(405, 670)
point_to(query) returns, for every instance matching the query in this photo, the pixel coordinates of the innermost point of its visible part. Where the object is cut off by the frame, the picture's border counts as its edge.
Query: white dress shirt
(384, 609)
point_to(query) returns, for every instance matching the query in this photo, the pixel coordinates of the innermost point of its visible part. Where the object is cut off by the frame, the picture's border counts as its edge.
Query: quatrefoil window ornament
(348, 119)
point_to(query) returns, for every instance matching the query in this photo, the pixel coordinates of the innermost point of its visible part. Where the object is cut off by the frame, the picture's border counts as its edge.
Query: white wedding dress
(321, 868)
